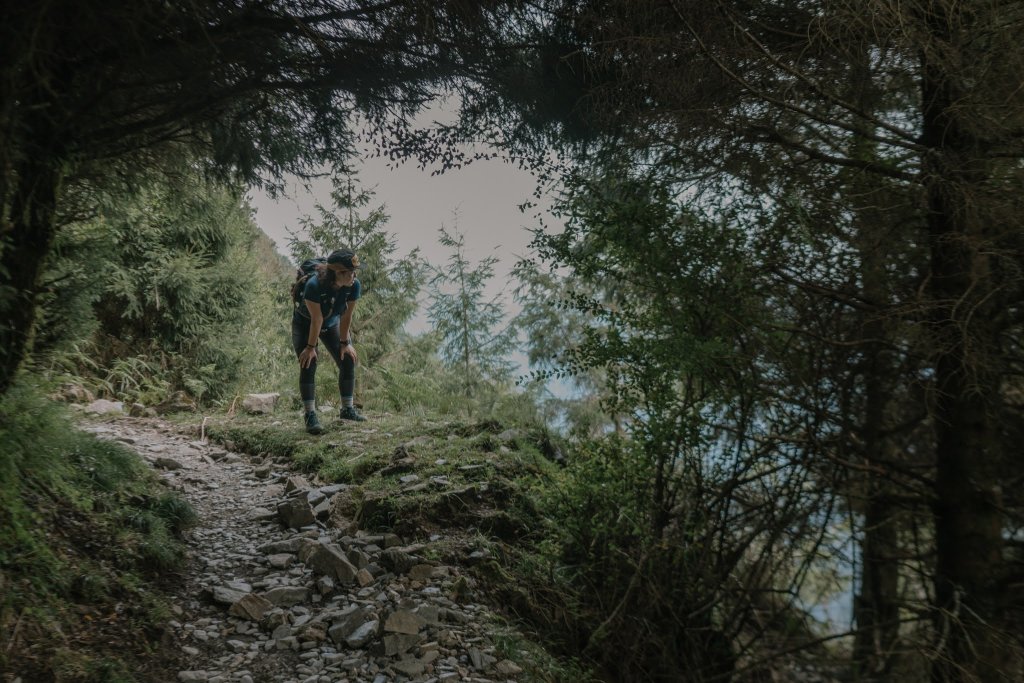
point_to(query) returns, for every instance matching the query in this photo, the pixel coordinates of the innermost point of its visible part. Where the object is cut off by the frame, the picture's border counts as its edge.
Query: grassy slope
(85, 532)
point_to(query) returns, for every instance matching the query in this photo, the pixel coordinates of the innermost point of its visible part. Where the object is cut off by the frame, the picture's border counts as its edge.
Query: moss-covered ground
(86, 537)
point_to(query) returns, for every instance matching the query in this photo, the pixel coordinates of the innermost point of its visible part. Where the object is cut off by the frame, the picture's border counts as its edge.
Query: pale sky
(486, 195)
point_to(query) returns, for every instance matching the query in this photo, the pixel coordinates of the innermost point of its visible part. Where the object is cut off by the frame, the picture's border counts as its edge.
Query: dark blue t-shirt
(332, 302)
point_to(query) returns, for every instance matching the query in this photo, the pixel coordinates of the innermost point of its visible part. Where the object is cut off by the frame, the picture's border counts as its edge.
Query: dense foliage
(178, 296)
(790, 276)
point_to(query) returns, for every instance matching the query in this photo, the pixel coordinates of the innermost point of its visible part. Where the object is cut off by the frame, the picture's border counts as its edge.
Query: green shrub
(79, 523)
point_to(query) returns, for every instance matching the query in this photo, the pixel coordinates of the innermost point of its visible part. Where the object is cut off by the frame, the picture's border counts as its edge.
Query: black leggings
(331, 338)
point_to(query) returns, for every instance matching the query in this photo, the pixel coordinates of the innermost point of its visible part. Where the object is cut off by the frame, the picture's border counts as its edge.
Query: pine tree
(473, 341)
(391, 283)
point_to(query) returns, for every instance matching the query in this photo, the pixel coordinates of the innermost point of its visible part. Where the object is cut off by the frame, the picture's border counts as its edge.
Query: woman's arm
(344, 327)
(316, 319)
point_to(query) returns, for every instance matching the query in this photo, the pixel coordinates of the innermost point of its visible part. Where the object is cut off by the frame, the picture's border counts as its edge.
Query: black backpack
(302, 274)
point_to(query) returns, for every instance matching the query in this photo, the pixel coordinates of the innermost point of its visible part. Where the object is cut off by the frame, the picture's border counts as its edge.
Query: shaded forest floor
(365, 554)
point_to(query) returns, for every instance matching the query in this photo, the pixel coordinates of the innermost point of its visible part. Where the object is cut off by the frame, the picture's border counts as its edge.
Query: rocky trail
(275, 594)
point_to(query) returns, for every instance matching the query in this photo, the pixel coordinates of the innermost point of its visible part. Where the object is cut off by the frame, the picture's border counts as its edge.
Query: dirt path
(265, 603)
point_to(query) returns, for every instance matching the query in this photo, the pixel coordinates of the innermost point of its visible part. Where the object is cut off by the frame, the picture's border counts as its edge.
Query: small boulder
(410, 666)
(421, 572)
(167, 464)
(296, 483)
(327, 559)
(227, 596)
(404, 621)
(296, 513)
(260, 404)
(397, 644)
(281, 560)
(104, 407)
(286, 596)
(363, 635)
(348, 623)
(507, 667)
(251, 607)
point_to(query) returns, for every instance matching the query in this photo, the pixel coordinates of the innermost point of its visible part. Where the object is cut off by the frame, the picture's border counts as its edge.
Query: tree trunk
(876, 606)
(25, 245)
(965, 307)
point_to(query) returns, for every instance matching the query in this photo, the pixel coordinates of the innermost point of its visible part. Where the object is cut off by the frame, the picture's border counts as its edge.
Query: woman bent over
(324, 313)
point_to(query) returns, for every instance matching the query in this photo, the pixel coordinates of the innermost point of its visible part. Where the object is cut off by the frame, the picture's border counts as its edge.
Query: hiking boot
(350, 413)
(312, 423)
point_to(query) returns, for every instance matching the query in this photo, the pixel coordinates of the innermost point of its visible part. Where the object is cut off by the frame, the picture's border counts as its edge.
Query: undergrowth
(85, 532)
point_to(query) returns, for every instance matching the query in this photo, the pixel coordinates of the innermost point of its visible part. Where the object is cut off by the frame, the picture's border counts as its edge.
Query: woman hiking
(324, 313)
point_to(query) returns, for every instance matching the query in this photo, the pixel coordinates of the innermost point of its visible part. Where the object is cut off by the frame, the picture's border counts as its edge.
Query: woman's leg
(346, 373)
(307, 375)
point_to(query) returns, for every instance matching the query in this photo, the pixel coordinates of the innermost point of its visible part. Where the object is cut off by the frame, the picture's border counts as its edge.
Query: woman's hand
(307, 357)
(349, 350)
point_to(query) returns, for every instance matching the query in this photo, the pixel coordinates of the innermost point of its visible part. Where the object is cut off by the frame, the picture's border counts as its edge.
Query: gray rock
(251, 607)
(261, 514)
(328, 560)
(227, 596)
(480, 660)
(397, 644)
(167, 464)
(193, 676)
(347, 624)
(104, 407)
(507, 667)
(363, 635)
(358, 558)
(409, 667)
(510, 435)
(404, 621)
(431, 614)
(260, 404)
(296, 513)
(325, 585)
(286, 596)
(421, 572)
(364, 578)
(281, 560)
(307, 546)
(296, 483)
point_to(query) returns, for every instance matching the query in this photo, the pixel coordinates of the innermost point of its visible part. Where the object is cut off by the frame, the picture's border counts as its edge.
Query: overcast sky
(486, 196)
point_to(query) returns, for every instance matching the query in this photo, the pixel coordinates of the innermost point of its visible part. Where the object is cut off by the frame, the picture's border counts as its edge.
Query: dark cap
(344, 257)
